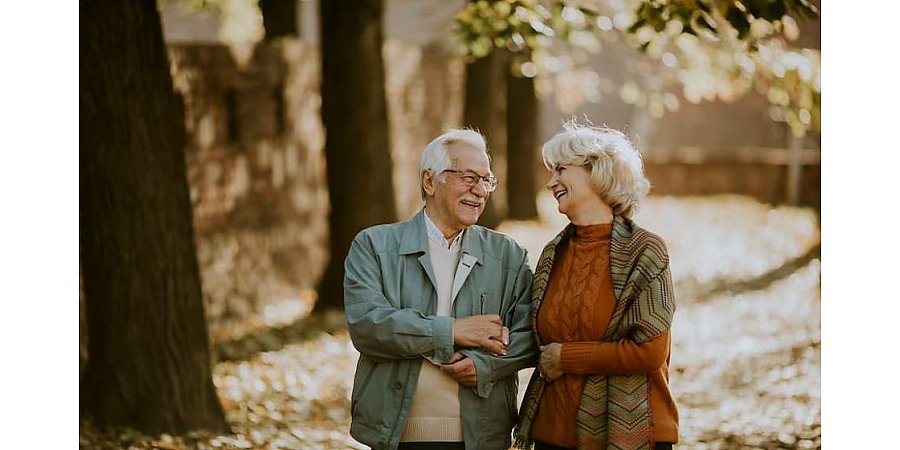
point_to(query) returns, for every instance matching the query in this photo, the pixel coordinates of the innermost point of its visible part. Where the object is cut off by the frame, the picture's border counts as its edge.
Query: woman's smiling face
(571, 186)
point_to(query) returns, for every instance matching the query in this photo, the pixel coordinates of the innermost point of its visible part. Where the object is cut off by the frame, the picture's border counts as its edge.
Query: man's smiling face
(451, 203)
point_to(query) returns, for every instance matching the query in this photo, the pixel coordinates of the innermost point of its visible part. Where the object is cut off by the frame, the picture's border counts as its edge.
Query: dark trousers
(432, 446)
(538, 445)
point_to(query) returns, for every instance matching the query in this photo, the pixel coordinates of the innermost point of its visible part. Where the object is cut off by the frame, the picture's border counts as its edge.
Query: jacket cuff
(484, 383)
(442, 333)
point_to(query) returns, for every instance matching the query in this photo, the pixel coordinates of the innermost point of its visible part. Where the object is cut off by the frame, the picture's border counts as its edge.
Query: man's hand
(486, 331)
(551, 365)
(461, 369)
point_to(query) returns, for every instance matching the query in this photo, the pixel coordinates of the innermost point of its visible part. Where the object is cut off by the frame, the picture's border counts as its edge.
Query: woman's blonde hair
(617, 171)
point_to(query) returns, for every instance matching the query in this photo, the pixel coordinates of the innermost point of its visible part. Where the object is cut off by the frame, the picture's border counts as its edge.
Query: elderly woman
(602, 307)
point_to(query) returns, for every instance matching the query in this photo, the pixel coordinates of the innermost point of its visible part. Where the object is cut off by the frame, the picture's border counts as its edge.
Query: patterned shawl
(614, 410)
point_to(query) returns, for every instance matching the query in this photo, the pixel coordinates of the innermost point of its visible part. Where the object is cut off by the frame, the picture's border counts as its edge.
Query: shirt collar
(435, 234)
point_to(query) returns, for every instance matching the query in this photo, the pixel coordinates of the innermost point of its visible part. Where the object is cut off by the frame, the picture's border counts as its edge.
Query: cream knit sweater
(434, 414)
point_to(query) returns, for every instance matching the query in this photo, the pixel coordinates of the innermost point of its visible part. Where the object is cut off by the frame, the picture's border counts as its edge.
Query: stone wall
(256, 173)
(764, 182)
(257, 170)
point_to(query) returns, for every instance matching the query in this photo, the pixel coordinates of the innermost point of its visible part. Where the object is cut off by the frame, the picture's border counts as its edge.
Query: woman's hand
(551, 366)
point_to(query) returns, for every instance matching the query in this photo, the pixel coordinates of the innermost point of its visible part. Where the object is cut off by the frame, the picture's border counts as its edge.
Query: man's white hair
(617, 171)
(435, 158)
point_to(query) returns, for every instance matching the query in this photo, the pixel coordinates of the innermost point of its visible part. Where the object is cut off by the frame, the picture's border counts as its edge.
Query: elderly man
(439, 309)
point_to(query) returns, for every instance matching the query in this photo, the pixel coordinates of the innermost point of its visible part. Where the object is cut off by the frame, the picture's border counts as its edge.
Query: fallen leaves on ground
(745, 365)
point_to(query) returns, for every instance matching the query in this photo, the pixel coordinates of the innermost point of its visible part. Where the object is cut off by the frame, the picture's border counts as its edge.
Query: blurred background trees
(279, 129)
(355, 117)
(729, 44)
(149, 364)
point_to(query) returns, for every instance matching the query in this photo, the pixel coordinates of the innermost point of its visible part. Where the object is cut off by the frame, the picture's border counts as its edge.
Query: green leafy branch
(708, 48)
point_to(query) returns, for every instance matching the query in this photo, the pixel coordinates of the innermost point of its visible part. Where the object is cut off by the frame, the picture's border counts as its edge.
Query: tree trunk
(279, 18)
(354, 112)
(484, 110)
(522, 147)
(148, 349)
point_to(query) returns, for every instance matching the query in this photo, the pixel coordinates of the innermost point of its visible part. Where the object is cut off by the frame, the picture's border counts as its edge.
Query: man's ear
(428, 182)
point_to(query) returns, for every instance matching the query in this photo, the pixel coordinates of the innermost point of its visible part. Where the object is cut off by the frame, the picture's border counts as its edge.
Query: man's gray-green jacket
(390, 302)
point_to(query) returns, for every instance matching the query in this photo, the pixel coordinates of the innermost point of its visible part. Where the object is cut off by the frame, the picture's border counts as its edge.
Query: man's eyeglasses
(470, 178)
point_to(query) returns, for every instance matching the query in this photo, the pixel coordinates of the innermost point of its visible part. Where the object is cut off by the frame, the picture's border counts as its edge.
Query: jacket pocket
(490, 303)
(498, 416)
(364, 372)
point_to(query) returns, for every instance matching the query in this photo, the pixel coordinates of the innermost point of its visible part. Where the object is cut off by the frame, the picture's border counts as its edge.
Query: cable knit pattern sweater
(577, 309)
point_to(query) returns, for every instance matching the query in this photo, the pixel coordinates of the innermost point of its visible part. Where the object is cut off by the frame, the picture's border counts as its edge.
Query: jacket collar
(472, 243)
(414, 238)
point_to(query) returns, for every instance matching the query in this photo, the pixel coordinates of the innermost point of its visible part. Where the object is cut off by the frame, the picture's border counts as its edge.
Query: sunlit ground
(745, 358)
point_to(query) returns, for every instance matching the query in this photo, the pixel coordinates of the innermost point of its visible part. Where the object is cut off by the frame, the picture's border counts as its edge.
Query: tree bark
(523, 148)
(485, 102)
(279, 18)
(354, 112)
(148, 349)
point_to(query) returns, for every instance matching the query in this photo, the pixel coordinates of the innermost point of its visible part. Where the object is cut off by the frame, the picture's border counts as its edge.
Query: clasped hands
(483, 331)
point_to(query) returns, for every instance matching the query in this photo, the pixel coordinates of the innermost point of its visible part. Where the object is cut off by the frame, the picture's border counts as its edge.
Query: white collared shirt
(435, 234)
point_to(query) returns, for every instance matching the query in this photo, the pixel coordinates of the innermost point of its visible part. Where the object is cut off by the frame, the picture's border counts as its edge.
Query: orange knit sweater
(576, 311)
